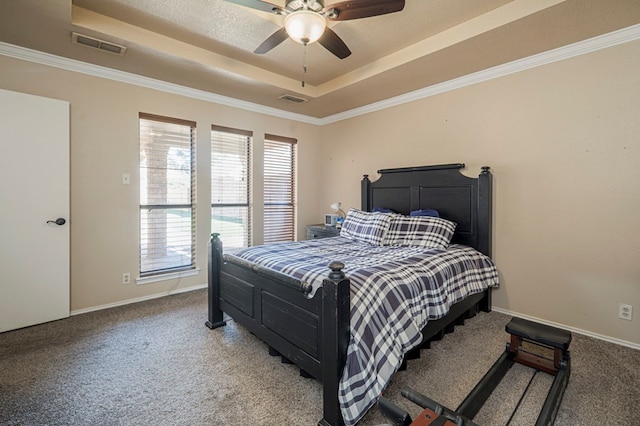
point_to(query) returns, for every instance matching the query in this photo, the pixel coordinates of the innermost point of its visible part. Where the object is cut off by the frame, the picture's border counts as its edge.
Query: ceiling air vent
(291, 98)
(97, 44)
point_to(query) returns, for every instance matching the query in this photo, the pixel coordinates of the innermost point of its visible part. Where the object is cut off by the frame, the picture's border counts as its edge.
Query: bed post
(215, 265)
(365, 192)
(335, 339)
(484, 224)
(484, 211)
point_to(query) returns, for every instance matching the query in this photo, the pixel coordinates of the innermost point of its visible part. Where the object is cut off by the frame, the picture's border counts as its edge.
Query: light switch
(126, 179)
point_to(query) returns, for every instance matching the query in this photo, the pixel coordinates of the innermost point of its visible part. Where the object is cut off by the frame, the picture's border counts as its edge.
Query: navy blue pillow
(381, 210)
(425, 212)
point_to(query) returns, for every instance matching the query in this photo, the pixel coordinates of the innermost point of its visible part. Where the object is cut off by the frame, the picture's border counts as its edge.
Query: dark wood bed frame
(314, 332)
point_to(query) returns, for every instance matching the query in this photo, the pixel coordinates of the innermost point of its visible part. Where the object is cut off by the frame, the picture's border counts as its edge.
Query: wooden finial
(336, 271)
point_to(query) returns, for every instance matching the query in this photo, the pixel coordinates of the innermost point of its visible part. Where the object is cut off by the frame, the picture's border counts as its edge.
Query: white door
(34, 189)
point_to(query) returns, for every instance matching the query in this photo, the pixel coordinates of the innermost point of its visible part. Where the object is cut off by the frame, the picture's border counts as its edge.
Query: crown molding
(611, 39)
(67, 64)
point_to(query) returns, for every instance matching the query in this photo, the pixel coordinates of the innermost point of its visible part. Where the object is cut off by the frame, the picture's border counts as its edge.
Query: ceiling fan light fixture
(305, 26)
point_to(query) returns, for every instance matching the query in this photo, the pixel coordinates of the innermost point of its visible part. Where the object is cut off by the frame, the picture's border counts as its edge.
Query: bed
(309, 321)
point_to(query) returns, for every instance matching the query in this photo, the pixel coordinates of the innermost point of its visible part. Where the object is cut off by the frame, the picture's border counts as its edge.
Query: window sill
(165, 277)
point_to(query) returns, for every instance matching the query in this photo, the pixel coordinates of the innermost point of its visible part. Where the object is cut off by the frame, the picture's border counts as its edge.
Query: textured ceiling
(208, 44)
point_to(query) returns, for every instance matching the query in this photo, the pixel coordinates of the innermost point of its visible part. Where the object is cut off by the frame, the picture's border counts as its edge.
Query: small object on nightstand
(337, 207)
(331, 219)
(315, 232)
(335, 220)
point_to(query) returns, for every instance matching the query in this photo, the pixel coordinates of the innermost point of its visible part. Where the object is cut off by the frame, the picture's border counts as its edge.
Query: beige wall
(563, 142)
(104, 144)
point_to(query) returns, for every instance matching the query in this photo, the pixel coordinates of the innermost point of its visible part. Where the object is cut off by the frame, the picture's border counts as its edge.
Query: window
(167, 194)
(231, 185)
(279, 189)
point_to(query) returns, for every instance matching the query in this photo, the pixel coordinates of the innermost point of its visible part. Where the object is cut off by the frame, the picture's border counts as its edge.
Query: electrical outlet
(126, 278)
(625, 312)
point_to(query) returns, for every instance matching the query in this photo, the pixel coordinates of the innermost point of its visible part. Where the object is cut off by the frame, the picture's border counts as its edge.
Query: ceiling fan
(305, 21)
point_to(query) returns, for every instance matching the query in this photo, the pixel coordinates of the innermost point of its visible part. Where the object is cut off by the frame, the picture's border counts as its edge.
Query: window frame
(147, 274)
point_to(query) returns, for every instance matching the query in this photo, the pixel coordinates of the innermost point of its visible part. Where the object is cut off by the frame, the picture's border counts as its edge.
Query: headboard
(463, 200)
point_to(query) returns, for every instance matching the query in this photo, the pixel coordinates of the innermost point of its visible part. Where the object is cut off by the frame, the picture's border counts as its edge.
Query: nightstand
(320, 231)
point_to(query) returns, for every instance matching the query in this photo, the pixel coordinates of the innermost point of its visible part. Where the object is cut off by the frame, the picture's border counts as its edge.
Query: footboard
(311, 332)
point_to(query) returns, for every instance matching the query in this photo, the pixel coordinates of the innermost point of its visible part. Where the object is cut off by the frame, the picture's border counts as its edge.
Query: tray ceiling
(208, 44)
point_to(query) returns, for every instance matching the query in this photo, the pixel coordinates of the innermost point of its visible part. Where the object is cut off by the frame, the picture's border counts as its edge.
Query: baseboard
(572, 329)
(138, 299)
(499, 310)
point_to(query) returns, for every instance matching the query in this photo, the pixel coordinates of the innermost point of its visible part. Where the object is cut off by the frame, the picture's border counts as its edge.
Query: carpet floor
(155, 363)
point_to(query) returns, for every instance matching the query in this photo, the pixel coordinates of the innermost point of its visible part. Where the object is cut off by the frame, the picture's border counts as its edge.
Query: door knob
(59, 221)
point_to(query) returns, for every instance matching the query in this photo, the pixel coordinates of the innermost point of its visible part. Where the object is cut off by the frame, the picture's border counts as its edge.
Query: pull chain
(304, 65)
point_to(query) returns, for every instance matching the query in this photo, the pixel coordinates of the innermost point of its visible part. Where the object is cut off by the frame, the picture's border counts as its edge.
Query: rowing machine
(521, 330)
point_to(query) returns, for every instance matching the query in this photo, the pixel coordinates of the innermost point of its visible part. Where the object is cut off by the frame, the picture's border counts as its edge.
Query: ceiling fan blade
(257, 4)
(356, 9)
(334, 44)
(272, 41)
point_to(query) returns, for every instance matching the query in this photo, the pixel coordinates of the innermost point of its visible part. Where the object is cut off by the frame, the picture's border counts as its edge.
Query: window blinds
(231, 185)
(279, 189)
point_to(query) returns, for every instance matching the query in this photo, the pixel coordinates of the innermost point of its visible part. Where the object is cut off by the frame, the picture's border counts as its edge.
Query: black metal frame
(474, 401)
(483, 389)
(314, 332)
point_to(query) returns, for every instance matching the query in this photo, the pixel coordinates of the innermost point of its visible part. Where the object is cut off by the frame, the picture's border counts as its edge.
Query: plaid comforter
(394, 292)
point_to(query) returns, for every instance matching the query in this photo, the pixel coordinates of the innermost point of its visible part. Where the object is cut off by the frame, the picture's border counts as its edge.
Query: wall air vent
(97, 44)
(291, 98)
